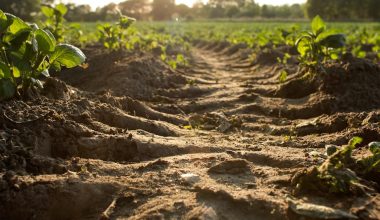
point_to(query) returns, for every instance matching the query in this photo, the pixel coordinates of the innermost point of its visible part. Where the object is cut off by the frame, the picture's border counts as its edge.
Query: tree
(251, 9)
(315, 7)
(216, 12)
(135, 8)
(296, 11)
(24, 9)
(267, 11)
(232, 11)
(374, 12)
(163, 9)
(78, 12)
(183, 11)
(107, 13)
(344, 9)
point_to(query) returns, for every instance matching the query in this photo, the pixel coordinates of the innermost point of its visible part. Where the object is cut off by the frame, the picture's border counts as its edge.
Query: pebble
(190, 178)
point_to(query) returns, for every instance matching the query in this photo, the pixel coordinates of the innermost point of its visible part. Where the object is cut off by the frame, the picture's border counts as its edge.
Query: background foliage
(332, 10)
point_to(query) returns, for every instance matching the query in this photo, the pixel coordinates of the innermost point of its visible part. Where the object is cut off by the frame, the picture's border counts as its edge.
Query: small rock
(236, 166)
(317, 211)
(315, 154)
(190, 178)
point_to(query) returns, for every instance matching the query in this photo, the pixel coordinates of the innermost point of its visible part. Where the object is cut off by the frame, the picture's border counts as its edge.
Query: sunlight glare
(97, 3)
(189, 3)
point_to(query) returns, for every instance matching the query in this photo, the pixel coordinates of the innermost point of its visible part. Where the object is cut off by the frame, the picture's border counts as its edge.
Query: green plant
(173, 63)
(318, 45)
(342, 173)
(113, 36)
(27, 52)
(283, 62)
(55, 20)
(371, 164)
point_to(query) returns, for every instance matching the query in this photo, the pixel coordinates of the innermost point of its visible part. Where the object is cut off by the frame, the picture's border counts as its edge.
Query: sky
(99, 3)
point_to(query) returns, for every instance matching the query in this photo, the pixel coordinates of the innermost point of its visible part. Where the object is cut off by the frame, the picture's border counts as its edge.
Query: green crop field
(188, 117)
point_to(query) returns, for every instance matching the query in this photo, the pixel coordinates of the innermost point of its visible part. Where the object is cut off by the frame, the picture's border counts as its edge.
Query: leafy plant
(318, 45)
(342, 173)
(371, 164)
(284, 62)
(55, 19)
(27, 52)
(113, 36)
(173, 63)
(75, 35)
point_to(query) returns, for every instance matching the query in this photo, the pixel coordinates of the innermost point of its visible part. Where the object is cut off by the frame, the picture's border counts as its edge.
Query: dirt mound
(66, 122)
(122, 73)
(114, 140)
(268, 57)
(347, 86)
(354, 84)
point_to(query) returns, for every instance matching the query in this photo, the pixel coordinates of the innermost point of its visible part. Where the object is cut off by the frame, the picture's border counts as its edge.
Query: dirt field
(113, 141)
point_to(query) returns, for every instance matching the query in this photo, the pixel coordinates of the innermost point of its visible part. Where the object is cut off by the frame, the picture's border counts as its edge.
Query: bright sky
(99, 3)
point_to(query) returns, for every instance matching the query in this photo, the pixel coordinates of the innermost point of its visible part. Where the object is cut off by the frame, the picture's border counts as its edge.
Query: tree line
(335, 10)
(213, 9)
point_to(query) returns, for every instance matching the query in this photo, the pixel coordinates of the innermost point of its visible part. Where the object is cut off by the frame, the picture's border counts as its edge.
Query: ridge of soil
(113, 141)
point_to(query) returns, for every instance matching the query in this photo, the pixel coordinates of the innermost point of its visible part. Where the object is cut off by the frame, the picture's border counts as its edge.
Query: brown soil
(113, 141)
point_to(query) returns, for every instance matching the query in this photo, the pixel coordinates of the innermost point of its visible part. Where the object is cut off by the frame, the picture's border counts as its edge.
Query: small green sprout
(318, 45)
(113, 36)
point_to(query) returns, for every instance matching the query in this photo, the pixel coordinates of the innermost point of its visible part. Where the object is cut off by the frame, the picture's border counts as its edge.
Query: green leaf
(283, 76)
(354, 141)
(7, 89)
(3, 22)
(303, 46)
(47, 11)
(334, 41)
(61, 8)
(374, 147)
(17, 25)
(16, 72)
(5, 71)
(126, 22)
(46, 43)
(334, 56)
(318, 25)
(20, 64)
(67, 55)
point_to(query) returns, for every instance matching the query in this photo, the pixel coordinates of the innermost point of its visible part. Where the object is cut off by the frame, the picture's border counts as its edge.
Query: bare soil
(113, 141)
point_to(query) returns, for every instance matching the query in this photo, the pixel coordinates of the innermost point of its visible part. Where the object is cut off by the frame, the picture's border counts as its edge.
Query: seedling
(55, 20)
(27, 52)
(113, 36)
(341, 173)
(173, 63)
(320, 44)
(284, 62)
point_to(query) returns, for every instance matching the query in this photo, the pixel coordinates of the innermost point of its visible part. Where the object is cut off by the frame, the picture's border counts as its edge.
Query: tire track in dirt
(133, 159)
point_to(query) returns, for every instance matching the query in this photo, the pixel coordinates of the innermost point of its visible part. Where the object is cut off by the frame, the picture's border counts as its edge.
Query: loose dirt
(114, 141)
